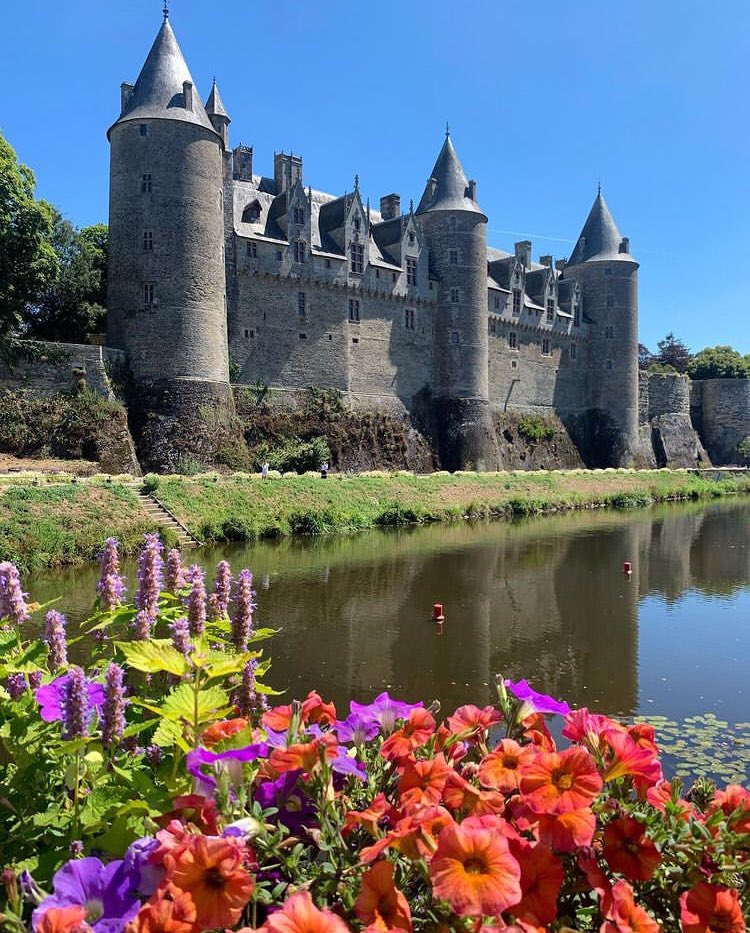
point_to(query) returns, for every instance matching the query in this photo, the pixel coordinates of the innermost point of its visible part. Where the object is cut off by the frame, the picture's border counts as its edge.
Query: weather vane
(165, 10)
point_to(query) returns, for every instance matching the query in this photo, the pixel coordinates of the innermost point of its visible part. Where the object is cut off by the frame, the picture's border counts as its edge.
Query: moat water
(545, 599)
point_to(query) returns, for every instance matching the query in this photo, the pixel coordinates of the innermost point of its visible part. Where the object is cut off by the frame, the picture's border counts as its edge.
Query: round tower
(455, 230)
(608, 276)
(166, 292)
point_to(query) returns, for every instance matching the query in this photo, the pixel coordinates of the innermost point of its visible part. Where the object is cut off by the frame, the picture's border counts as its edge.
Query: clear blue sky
(543, 99)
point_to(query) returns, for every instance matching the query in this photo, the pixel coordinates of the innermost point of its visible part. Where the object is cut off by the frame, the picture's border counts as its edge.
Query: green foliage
(721, 362)
(534, 428)
(294, 456)
(28, 263)
(673, 352)
(743, 450)
(665, 369)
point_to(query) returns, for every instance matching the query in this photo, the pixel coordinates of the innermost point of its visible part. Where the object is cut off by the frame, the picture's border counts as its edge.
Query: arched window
(251, 214)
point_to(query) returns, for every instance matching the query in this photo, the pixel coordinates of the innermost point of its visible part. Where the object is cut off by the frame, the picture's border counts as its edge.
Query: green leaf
(180, 704)
(138, 727)
(169, 734)
(153, 656)
(31, 659)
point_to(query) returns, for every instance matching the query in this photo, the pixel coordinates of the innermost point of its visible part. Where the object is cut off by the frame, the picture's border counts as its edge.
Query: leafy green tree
(645, 356)
(673, 352)
(720, 362)
(74, 305)
(28, 263)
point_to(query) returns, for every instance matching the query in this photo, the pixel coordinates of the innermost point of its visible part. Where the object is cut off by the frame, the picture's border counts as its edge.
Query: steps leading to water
(163, 517)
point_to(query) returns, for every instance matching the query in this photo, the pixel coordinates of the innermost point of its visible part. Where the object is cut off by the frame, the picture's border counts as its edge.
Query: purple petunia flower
(196, 601)
(357, 728)
(150, 565)
(145, 876)
(535, 702)
(51, 699)
(12, 598)
(175, 575)
(113, 712)
(296, 811)
(197, 760)
(244, 607)
(384, 710)
(111, 585)
(223, 586)
(105, 891)
(57, 648)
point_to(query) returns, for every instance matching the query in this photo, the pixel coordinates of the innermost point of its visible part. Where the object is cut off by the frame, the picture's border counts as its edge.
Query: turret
(217, 114)
(455, 230)
(608, 277)
(167, 306)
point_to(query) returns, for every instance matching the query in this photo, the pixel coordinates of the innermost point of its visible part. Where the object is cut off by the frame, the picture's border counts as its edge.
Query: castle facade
(217, 269)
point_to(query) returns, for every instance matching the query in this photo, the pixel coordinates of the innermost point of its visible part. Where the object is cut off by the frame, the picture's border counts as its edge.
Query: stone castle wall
(668, 394)
(47, 368)
(721, 408)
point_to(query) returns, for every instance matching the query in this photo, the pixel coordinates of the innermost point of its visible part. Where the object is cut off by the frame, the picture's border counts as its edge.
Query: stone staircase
(165, 519)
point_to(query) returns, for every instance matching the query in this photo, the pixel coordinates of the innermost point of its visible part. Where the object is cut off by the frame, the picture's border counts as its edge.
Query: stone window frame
(609, 365)
(354, 310)
(412, 238)
(303, 336)
(251, 212)
(550, 310)
(573, 350)
(357, 258)
(517, 295)
(146, 183)
(298, 216)
(357, 223)
(609, 332)
(279, 255)
(149, 294)
(300, 251)
(513, 340)
(497, 302)
(576, 314)
(411, 270)
(514, 364)
(610, 301)
(301, 304)
(144, 130)
(546, 346)
(455, 295)
(252, 249)
(148, 241)
(453, 257)
(409, 319)
(455, 338)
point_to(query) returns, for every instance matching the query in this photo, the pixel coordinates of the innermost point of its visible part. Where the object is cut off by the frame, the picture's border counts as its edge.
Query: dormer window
(299, 215)
(550, 310)
(516, 301)
(251, 214)
(576, 315)
(411, 271)
(299, 250)
(357, 223)
(358, 258)
(412, 238)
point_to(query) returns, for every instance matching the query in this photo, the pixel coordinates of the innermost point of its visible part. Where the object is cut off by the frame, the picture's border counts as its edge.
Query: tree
(28, 263)
(645, 356)
(720, 362)
(74, 305)
(673, 352)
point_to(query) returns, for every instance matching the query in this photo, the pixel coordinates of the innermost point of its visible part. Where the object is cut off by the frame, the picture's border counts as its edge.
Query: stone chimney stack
(545, 261)
(523, 253)
(187, 93)
(390, 206)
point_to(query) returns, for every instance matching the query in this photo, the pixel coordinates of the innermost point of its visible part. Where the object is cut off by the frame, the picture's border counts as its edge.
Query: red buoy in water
(437, 613)
(627, 567)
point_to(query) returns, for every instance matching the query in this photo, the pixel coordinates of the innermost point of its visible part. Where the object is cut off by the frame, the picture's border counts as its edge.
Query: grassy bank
(50, 522)
(244, 507)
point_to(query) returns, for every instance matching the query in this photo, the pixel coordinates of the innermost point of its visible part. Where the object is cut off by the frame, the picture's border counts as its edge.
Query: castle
(217, 269)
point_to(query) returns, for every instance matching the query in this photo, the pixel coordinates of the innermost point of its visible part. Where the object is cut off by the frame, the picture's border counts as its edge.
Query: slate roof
(158, 91)
(214, 104)
(450, 190)
(600, 239)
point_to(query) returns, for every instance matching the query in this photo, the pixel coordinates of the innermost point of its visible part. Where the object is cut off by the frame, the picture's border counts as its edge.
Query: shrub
(533, 428)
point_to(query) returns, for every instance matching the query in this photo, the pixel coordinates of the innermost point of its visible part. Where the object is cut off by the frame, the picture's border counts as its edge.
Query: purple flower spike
(244, 606)
(175, 575)
(181, 636)
(142, 625)
(246, 697)
(196, 601)
(384, 710)
(51, 697)
(12, 598)
(113, 713)
(197, 760)
(223, 586)
(76, 706)
(150, 565)
(536, 702)
(57, 648)
(106, 891)
(35, 679)
(16, 685)
(111, 585)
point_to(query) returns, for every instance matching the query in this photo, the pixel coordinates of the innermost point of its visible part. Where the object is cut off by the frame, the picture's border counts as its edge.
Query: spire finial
(599, 188)
(356, 182)
(165, 10)
(447, 130)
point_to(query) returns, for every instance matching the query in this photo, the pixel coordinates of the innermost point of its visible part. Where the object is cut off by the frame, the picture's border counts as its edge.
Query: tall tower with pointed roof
(608, 277)
(455, 230)
(167, 304)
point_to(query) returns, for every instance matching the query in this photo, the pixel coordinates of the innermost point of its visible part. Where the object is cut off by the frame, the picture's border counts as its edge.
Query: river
(545, 599)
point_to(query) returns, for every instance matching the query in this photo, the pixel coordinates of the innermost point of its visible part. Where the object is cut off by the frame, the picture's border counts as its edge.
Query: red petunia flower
(161, 915)
(224, 729)
(501, 769)
(661, 794)
(711, 908)
(278, 719)
(734, 800)
(315, 710)
(625, 916)
(422, 782)
(461, 796)
(370, 818)
(596, 878)
(473, 723)
(379, 903)
(416, 732)
(541, 879)
(193, 808)
(474, 871)
(304, 756)
(555, 782)
(626, 758)
(298, 914)
(564, 832)
(628, 850)
(64, 920)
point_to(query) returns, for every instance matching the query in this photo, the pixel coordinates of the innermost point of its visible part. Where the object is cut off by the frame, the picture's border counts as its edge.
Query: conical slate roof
(600, 239)
(447, 189)
(214, 104)
(158, 92)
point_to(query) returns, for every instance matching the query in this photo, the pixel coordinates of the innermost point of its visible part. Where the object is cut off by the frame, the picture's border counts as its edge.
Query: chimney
(560, 264)
(523, 252)
(287, 169)
(545, 261)
(625, 244)
(243, 163)
(126, 92)
(390, 206)
(187, 93)
(472, 190)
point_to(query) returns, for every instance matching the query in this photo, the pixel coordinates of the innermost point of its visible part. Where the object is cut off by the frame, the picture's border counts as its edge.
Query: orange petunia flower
(564, 832)
(596, 878)
(501, 769)
(164, 916)
(473, 723)
(315, 710)
(625, 916)
(555, 782)
(224, 729)
(628, 850)
(474, 871)
(710, 908)
(413, 836)
(416, 731)
(305, 756)
(463, 797)
(210, 870)
(278, 719)
(626, 758)
(541, 879)
(298, 914)
(735, 799)
(372, 816)
(63, 920)
(379, 903)
(661, 794)
(536, 731)
(422, 782)
(193, 808)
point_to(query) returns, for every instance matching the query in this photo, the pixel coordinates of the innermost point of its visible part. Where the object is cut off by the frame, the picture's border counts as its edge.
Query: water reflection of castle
(546, 600)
